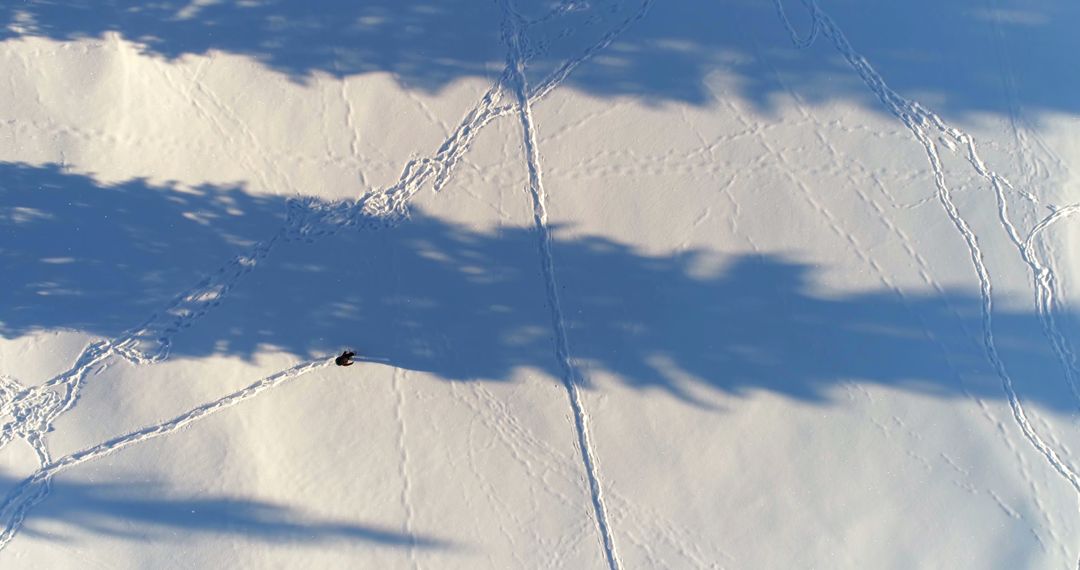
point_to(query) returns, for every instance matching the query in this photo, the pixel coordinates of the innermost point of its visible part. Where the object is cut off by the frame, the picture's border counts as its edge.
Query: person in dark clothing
(345, 359)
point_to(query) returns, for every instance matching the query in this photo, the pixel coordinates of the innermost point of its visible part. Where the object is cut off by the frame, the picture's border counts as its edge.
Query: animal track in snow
(33, 410)
(928, 128)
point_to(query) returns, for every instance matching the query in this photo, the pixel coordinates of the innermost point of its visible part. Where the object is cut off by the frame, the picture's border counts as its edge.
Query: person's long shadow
(470, 305)
(141, 510)
(936, 50)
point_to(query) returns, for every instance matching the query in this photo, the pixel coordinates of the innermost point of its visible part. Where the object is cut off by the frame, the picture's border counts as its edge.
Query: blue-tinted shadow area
(141, 511)
(959, 57)
(469, 305)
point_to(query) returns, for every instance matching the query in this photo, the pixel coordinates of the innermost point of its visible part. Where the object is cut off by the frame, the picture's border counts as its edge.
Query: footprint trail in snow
(925, 125)
(29, 412)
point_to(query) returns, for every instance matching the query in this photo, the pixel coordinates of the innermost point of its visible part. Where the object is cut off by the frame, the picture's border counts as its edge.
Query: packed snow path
(924, 124)
(34, 410)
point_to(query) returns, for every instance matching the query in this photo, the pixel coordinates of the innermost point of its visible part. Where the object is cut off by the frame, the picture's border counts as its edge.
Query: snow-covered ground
(634, 284)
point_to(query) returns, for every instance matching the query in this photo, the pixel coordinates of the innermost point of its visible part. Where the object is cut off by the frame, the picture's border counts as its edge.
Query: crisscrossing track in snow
(924, 124)
(29, 412)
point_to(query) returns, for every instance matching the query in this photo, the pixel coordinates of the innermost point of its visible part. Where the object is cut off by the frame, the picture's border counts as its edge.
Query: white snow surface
(632, 284)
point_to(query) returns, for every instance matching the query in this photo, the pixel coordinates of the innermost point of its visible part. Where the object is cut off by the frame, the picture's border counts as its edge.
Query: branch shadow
(137, 511)
(936, 50)
(78, 255)
(470, 305)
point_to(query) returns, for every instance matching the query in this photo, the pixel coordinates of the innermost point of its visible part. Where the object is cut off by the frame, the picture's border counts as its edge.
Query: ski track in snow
(516, 40)
(536, 455)
(921, 122)
(33, 410)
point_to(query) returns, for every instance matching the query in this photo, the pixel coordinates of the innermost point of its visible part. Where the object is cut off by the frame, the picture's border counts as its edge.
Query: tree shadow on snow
(954, 56)
(143, 511)
(469, 305)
